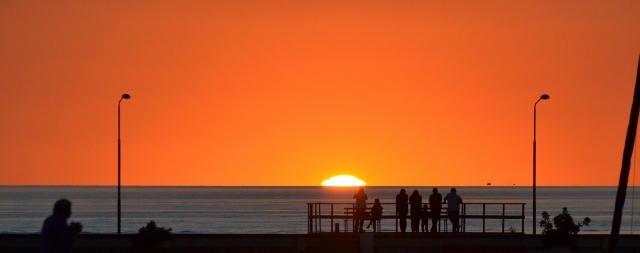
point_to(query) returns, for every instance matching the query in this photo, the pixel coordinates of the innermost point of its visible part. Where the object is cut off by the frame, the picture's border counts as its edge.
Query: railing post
(503, 218)
(464, 217)
(396, 221)
(353, 215)
(308, 218)
(331, 218)
(522, 219)
(319, 219)
(346, 223)
(313, 218)
(483, 216)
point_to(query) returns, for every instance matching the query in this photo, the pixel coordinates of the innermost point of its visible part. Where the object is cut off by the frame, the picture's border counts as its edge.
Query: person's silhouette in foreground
(361, 208)
(402, 209)
(435, 200)
(56, 235)
(415, 201)
(453, 209)
(376, 214)
(425, 218)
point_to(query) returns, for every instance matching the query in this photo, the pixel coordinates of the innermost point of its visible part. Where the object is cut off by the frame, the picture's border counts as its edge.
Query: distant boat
(488, 184)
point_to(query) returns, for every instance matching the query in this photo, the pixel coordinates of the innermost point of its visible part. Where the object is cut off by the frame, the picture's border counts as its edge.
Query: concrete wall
(356, 243)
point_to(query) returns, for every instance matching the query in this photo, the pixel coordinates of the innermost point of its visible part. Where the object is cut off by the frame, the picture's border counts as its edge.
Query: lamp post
(543, 97)
(124, 96)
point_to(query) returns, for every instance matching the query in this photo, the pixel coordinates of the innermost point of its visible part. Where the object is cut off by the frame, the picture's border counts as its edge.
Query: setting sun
(343, 180)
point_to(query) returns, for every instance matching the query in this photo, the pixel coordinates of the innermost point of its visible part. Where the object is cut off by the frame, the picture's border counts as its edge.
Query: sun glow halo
(343, 181)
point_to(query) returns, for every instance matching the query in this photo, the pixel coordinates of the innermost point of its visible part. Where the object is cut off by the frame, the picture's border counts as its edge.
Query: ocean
(282, 210)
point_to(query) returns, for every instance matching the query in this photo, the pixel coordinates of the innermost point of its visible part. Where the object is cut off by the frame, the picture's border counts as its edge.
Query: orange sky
(294, 92)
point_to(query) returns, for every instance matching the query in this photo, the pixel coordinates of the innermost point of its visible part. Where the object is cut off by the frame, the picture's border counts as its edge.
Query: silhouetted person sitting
(402, 209)
(415, 201)
(425, 218)
(56, 235)
(435, 200)
(376, 214)
(453, 209)
(361, 208)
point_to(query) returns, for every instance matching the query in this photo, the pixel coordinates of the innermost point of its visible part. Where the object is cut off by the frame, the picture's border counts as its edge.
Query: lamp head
(126, 96)
(544, 96)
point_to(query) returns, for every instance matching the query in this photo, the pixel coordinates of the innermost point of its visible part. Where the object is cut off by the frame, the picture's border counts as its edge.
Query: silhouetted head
(62, 208)
(377, 201)
(425, 206)
(435, 190)
(453, 190)
(402, 191)
(415, 192)
(361, 189)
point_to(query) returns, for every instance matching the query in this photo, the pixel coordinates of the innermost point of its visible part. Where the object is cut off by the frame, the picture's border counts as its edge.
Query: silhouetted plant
(151, 236)
(565, 230)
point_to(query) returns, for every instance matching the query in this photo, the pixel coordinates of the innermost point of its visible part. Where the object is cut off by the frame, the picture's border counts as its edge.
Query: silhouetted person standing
(435, 200)
(415, 201)
(425, 218)
(453, 209)
(361, 207)
(376, 214)
(402, 208)
(56, 235)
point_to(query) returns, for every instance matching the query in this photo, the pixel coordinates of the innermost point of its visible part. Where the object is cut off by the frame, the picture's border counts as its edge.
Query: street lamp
(543, 97)
(124, 96)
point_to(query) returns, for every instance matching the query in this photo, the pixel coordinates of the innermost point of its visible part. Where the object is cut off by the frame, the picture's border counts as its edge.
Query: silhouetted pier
(339, 217)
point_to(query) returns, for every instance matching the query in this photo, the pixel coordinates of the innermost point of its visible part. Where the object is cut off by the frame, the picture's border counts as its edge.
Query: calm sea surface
(283, 210)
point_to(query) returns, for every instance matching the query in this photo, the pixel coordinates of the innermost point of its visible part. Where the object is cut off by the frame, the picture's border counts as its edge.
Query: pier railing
(474, 217)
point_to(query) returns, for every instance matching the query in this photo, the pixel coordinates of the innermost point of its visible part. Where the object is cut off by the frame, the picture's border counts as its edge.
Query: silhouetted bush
(151, 236)
(564, 231)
